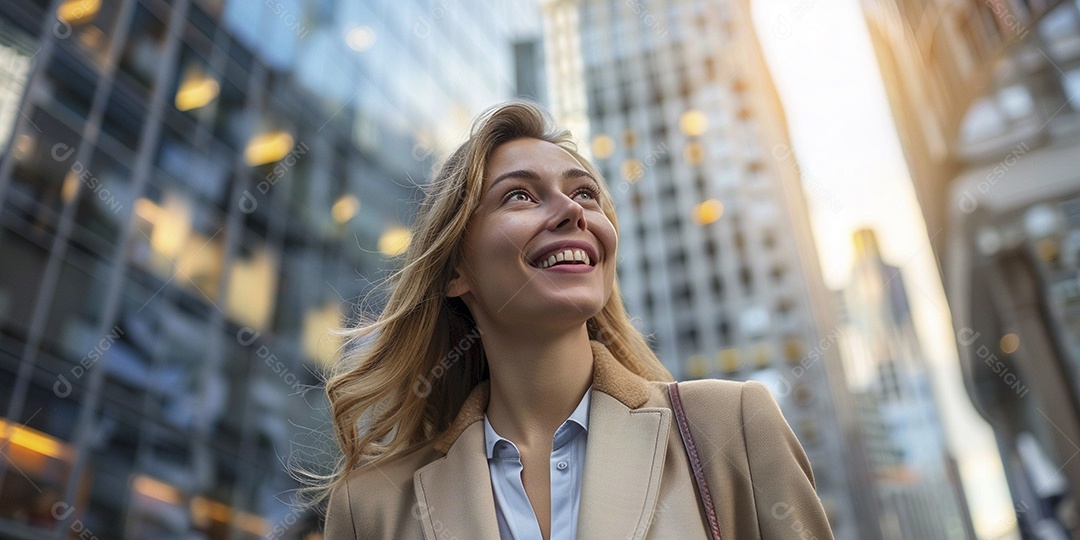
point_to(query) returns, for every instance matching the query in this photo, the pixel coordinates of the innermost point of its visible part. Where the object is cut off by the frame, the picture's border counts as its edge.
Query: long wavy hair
(403, 377)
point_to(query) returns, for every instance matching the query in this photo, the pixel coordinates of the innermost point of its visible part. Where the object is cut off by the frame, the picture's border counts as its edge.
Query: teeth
(567, 255)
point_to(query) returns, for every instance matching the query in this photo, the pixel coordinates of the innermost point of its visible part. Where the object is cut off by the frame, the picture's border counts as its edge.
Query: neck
(536, 382)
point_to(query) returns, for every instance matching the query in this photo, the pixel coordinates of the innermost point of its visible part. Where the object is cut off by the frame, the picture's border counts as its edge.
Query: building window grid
(104, 405)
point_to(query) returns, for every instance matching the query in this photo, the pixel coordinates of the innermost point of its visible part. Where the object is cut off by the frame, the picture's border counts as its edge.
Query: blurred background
(871, 206)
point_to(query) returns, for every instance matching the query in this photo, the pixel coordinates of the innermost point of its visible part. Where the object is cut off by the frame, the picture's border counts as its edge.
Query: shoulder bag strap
(695, 461)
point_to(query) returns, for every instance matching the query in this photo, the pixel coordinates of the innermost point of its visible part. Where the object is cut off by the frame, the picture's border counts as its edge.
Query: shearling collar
(609, 377)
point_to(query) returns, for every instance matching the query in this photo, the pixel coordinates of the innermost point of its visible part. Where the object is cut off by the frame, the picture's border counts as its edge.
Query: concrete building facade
(983, 95)
(675, 104)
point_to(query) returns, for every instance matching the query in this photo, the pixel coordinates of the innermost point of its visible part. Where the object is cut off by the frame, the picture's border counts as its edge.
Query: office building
(917, 494)
(675, 104)
(192, 192)
(983, 95)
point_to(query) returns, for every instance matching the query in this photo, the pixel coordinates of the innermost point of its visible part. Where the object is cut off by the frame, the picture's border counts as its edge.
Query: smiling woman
(504, 393)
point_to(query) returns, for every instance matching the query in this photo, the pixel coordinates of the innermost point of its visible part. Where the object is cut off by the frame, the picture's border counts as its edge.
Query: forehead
(529, 154)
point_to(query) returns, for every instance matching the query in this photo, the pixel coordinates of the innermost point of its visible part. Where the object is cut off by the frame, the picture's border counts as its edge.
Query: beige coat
(637, 480)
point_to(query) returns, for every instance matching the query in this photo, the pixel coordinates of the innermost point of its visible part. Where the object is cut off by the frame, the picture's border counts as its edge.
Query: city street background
(872, 206)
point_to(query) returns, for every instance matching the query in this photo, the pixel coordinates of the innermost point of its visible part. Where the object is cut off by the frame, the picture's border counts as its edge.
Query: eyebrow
(532, 175)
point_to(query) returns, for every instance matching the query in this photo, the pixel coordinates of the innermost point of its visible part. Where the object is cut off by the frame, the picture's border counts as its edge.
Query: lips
(569, 250)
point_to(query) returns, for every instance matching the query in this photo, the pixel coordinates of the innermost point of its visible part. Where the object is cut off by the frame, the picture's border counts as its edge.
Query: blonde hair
(406, 374)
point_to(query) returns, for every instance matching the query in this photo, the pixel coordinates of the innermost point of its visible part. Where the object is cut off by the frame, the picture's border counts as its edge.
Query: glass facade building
(716, 257)
(192, 193)
(918, 493)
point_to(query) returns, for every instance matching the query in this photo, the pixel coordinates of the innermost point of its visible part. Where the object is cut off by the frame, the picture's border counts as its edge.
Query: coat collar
(609, 377)
(624, 461)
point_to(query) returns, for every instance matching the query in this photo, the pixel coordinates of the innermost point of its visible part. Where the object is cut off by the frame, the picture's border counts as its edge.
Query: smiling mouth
(565, 257)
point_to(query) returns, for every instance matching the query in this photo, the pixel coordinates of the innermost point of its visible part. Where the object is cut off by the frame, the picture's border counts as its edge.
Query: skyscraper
(676, 106)
(984, 98)
(887, 371)
(192, 193)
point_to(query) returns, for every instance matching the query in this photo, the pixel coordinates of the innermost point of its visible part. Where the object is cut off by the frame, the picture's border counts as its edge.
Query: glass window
(104, 204)
(78, 302)
(45, 160)
(206, 173)
(144, 50)
(71, 84)
(20, 282)
(38, 458)
(92, 25)
(228, 125)
(124, 115)
(179, 241)
(253, 282)
(16, 51)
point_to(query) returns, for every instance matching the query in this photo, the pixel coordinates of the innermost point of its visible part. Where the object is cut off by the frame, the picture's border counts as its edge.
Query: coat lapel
(624, 461)
(454, 493)
(622, 468)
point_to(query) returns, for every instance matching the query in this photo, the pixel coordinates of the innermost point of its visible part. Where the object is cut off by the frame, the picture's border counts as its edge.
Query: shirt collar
(610, 376)
(580, 417)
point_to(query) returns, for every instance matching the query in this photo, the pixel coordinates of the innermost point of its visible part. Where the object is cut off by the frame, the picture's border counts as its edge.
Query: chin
(569, 311)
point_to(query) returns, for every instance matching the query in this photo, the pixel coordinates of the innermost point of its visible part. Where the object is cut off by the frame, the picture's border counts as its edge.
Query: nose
(568, 214)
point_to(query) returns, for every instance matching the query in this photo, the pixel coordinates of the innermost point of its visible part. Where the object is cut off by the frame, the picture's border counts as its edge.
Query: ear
(458, 284)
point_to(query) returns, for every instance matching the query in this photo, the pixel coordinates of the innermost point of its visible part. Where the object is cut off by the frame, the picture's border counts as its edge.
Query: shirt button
(562, 465)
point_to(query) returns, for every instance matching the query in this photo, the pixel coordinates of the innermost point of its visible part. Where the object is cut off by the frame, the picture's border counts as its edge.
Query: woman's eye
(518, 195)
(590, 193)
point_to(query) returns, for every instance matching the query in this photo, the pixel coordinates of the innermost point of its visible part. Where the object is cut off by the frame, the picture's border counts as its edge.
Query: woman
(504, 393)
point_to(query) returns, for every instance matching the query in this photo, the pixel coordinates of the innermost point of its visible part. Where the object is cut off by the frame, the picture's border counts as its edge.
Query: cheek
(605, 232)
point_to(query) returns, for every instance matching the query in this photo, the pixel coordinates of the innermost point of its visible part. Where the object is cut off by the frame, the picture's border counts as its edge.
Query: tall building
(887, 371)
(983, 96)
(676, 106)
(192, 192)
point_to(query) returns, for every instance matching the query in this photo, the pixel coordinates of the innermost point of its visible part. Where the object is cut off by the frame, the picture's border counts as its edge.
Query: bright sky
(854, 175)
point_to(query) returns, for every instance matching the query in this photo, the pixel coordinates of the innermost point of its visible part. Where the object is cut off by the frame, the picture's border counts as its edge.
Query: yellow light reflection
(394, 241)
(23, 147)
(693, 122)
(603, 146)
(172, 225)
(695, 366)
(70, 187)
(1009, 343)
(156, 489)
(203, 509)
(33, 440)
(793, 350)
(729, 360)
(252, 283)
(708, 212)
(78, 11)
(197, 89)
(762, 355)
(94, 39)
(632, 170)
(319, 343)
(1047, 249)
(694, 153)
(345, 208)
(268, 148)
(146, 209)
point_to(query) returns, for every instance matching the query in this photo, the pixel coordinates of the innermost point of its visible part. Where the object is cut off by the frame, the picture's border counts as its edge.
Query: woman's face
(539, 249)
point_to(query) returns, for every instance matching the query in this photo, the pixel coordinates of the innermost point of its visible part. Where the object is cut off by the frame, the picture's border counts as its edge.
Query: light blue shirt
(517, 521)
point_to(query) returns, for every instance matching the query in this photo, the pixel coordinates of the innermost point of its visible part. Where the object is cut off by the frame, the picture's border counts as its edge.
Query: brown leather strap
(695, 461)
